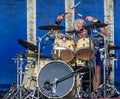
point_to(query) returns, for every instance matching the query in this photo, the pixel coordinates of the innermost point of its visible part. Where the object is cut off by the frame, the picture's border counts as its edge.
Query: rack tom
(63, 49)
(84, 49)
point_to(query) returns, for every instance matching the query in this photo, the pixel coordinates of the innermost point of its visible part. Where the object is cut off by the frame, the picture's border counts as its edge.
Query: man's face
(84, 32)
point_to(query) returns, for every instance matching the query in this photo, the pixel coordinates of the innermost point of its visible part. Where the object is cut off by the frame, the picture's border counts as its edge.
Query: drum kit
(61, 77)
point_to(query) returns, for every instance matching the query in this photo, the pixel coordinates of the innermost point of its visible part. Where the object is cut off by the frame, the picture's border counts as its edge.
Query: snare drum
(65, 46)
(84, 48)
(31, 74)
(52, 72)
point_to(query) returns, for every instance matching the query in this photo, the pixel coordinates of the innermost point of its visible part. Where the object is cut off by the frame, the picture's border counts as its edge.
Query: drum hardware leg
(34, 94)
(108, 88)
(13, 93)
(19, 76)
(91, 72)
(17, 91)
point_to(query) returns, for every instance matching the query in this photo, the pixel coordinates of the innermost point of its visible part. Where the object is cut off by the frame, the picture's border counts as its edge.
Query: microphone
(47, 85)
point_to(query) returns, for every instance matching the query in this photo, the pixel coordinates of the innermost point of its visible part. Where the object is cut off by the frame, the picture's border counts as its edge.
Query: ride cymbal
(51, 27)
(96, 25)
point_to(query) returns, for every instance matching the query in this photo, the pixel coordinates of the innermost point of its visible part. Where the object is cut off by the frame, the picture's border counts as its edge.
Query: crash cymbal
(51, 27)
(95, 25)
(28, 45)
(34, 55)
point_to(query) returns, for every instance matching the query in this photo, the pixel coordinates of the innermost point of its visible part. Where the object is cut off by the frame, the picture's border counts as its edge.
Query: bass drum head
(49, 73)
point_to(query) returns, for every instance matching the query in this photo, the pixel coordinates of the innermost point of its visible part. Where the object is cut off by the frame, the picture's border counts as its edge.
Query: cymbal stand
(36, 89)
(105, 87)
(19, 92)
(105, 61)
(91, 64)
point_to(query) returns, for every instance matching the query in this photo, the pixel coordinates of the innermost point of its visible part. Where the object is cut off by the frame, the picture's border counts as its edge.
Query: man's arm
(103, 29)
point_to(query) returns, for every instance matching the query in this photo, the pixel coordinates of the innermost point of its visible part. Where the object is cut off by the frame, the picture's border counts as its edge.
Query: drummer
(78, 25)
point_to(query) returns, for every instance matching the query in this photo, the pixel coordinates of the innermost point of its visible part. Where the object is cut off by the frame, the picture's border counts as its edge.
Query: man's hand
(60, 18)
(91, 19)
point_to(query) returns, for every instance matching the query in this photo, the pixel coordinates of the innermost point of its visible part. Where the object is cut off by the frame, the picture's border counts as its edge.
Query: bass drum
(49, 74)
(32, 72)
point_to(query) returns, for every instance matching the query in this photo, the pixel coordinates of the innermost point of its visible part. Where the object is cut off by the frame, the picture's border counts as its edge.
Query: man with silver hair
(79, 26)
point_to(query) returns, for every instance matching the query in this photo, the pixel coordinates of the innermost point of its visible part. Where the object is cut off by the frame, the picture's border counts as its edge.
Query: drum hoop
(67, 38)
(65, 49)
(85, 48)
(83, 38)
(71, 86)
(89, 58)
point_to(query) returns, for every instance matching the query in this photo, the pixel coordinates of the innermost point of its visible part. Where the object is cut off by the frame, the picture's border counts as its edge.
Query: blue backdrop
(13, 26)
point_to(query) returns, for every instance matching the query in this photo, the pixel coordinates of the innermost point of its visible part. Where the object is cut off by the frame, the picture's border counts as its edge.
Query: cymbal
(73, 31)
(35, 55)
(110, 47)
(51, 27)
(28, 45)
(95, 25)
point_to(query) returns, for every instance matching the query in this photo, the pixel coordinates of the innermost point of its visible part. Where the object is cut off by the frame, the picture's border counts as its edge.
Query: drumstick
(80, 15)
(75, 5)
(71, 9)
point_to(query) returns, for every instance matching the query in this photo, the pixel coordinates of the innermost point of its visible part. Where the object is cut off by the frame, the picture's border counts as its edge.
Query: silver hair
(78, 21)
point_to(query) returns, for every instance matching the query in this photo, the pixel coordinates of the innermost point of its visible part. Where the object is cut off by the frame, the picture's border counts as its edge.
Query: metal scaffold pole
(31, 21)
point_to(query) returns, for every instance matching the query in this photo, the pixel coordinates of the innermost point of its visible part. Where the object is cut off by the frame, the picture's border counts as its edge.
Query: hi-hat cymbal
(51, 27)
(28, 45)
(34, 55)
(95, 25)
